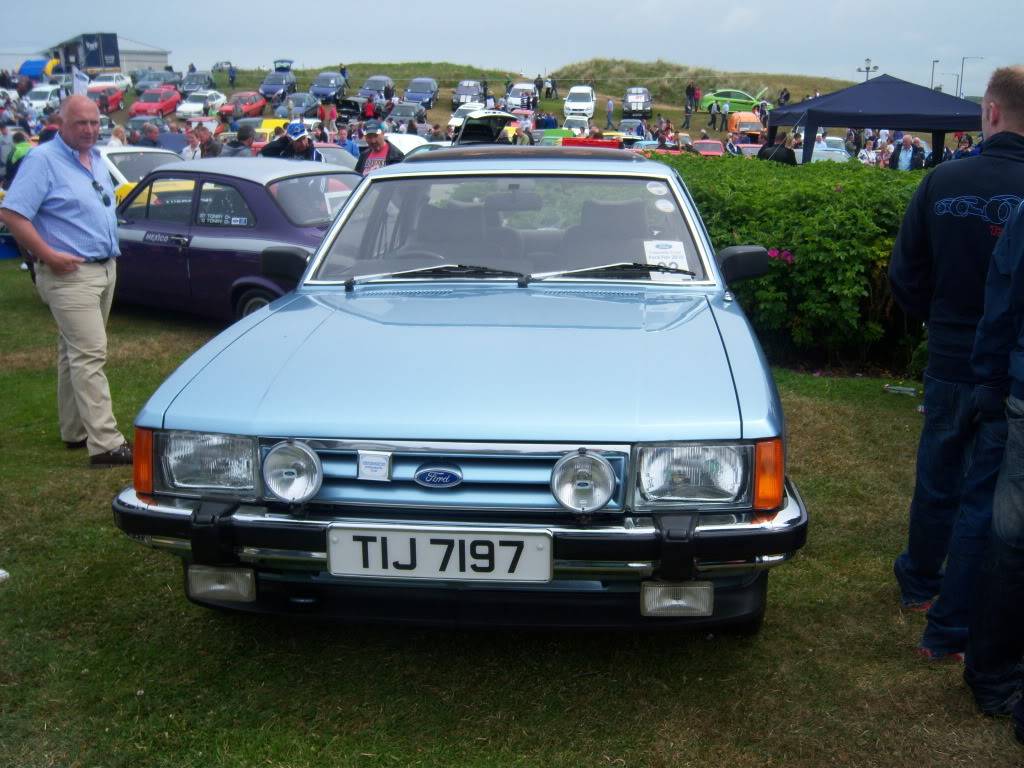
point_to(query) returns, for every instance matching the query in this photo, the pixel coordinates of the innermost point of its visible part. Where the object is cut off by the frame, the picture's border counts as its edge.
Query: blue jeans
(942, 458)
(994, 669)
(946, 631)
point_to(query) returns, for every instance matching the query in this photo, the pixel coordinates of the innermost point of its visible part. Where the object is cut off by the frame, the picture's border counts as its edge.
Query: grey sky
(823, 38)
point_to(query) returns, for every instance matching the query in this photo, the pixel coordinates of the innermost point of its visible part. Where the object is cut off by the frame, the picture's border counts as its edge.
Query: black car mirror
(742, 262)
(283, 263)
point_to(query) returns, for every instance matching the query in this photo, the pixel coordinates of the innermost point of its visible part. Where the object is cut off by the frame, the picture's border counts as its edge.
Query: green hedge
(830, 229)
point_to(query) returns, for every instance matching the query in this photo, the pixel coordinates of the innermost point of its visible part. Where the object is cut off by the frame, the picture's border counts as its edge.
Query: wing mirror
(286, 264)
(742, 262)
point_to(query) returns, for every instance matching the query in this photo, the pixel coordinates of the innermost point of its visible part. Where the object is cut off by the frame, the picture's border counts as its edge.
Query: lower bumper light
(688, 598)
(236, 585)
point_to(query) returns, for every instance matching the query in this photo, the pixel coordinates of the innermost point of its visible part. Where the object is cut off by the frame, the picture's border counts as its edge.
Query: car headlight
(292, 472)
(693, 473)
(197, 462)
(583, 482)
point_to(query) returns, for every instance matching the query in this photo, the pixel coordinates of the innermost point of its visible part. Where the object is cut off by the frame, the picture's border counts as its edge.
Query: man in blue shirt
(61, 209)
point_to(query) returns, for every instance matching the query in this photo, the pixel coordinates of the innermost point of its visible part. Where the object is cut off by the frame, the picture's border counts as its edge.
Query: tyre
(252, 300)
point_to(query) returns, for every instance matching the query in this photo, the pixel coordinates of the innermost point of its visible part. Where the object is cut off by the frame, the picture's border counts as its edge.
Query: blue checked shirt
(55, 192)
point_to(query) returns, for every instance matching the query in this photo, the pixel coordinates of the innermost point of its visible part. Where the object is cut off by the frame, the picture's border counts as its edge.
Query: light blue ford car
(512, 387)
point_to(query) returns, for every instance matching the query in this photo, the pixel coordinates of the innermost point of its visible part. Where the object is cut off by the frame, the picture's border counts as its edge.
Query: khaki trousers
(80, 303)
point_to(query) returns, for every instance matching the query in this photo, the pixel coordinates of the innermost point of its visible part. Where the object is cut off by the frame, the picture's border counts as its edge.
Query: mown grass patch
(104, 663)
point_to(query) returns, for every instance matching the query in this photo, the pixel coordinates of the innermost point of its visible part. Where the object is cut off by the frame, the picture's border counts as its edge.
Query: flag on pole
(81, 81)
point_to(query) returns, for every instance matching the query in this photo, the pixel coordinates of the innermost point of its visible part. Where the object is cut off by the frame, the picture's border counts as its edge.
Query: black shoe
(120, 456)
(75, 445)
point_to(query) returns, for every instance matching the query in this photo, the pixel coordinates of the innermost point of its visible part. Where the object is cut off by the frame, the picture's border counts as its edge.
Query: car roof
(580, 88)
(130, 149)
(499, 157)
(263, 170)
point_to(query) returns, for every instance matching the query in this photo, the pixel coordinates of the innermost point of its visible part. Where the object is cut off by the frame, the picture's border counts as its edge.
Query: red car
(709, 147)
(251, 102)
(156, 101)
(107, 97)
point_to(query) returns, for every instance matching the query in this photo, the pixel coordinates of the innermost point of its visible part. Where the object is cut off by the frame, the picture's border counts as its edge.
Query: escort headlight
(583, 482)
(197, 462)
(693, 474)
(292, 472)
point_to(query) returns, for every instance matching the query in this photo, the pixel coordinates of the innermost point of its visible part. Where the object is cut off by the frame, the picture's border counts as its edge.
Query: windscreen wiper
(622, 266)
(439, 270)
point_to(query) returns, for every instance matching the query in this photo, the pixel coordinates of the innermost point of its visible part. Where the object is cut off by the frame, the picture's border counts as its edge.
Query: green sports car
(739, 101)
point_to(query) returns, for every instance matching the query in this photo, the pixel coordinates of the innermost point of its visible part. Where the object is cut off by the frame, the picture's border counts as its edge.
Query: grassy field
(104, 663)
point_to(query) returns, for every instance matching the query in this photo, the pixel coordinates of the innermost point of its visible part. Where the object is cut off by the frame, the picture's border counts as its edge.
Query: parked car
(422, 90)
(351, 108)
(120, 81)
(460, 113)
(825, 154)
(750, 150)
(197, 81)
(746, 123)
(484, 126)
(136, 123)
(221, 66)
(199, 103)
(469, 92)
(127, 166)
(335, 155)
(709, 147)
(251, 103)
(408, 436)
(192, 235)
(578, 125)
(107, 127)
(152, 78)
(637, 103)
(579, 102)
(45, 97)
(302, 105)
(64, 79)
(629, 125)
(107, 98)
(520, 96)
(374, 87)
(405, 111)
(328, 86)
(739, 101)
(277, 84)
(156, 101)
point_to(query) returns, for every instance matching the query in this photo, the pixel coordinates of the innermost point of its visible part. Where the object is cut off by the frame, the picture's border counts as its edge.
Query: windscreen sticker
(664, 206)
(668, 253)
(657, 188)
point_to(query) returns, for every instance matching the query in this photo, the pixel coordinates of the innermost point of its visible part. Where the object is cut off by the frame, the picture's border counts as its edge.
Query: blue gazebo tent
(34, 69)
(882, 102)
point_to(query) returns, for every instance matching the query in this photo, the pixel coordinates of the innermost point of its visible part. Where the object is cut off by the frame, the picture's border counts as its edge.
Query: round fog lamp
(583, 482)
(292, 472)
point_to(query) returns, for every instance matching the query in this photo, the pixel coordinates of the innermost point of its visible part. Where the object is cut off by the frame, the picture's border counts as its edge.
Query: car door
(154, 231)
(224, 246)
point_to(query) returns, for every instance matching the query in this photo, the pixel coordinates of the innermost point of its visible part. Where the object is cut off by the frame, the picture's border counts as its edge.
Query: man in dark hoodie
(993, 668)
(937, 272)
(241, 145)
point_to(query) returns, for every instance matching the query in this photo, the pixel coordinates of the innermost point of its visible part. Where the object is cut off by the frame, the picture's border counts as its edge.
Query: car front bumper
(598, 569)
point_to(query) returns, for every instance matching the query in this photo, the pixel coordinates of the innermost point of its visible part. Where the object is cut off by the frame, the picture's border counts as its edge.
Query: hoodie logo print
(994, 210)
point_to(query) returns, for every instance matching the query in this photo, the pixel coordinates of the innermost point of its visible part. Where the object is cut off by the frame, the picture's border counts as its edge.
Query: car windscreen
(580, 96)
(528, 224)
(198, 98)
(314, 200)
(40, 94)
(421, 85)
(517, 91)
(468, 88)
(194, 79)
(135, 165)
(375, 83)
(274, 80)
(326, 81)
(465, 109)
(750, 128)
(636, 91)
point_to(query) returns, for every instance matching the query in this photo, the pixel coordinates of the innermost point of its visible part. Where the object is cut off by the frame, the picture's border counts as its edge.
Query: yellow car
(266, 130)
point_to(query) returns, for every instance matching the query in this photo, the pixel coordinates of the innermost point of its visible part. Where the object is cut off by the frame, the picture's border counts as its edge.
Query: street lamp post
(934, 62)
(956, 75)
(960, 82)
(867, 69)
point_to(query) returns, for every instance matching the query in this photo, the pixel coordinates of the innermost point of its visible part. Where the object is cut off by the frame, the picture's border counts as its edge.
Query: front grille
(498, 481)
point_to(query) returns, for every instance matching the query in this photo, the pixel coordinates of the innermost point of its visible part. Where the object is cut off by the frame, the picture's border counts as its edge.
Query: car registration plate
(443, 554)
